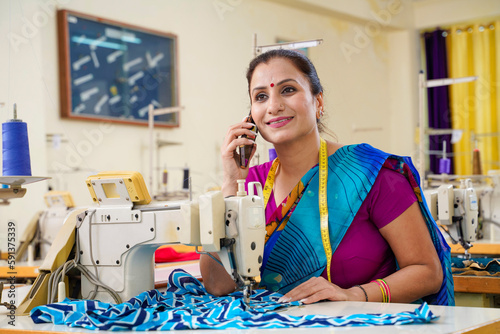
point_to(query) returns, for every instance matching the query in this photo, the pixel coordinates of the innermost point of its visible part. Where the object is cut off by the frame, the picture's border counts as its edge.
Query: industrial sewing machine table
(452, 320)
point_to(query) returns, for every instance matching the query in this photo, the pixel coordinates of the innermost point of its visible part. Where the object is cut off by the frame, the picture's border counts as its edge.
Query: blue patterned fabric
(187, 305)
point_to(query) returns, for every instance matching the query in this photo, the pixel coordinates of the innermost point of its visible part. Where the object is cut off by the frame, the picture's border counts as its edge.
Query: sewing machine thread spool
(185, 179)
(15, 147)
(165, 176)
(61, 292)
(476, 162)
(444, 162)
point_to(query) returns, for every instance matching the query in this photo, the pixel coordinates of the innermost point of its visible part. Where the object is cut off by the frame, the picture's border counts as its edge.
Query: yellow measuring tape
(268, 187)
(322, 201)
(323, 205)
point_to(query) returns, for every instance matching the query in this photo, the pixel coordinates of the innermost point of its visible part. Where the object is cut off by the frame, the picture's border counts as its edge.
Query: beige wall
(368, 64)
(433, 13)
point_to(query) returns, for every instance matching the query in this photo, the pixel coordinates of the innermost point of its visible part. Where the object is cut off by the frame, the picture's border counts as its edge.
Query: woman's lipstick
(279, 122)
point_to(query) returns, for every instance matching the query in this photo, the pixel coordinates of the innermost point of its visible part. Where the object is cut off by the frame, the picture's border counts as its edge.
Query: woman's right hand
(230, 156)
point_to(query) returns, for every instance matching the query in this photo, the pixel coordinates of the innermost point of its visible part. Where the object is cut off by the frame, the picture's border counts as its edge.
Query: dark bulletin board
(112, 71)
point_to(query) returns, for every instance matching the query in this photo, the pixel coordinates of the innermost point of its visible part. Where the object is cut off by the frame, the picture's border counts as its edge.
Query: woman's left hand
(316, 289)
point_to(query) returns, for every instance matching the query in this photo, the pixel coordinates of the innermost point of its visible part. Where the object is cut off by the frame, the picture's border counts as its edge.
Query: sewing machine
(41, 231)
(114, 243)
(457, 210)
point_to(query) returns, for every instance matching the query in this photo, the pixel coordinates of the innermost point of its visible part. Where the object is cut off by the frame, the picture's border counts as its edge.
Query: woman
(343, 222)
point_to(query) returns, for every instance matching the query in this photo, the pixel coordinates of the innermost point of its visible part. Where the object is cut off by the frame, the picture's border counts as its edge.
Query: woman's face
(283, 107)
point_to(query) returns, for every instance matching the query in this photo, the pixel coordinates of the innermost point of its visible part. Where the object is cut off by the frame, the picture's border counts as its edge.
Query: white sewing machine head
(458, 210)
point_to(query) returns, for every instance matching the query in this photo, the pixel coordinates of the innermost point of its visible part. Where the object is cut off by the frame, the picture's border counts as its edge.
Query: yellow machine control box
(109, 185)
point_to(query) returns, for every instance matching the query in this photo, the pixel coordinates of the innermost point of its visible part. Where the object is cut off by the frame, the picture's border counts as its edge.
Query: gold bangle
(382, 289)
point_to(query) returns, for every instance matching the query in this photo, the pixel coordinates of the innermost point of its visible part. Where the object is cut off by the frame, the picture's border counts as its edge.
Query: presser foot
(248, 288)
(247, 293)
(466, 245)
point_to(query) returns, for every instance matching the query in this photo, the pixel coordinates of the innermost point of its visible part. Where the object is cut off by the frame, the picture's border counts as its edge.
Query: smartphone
(246, 150)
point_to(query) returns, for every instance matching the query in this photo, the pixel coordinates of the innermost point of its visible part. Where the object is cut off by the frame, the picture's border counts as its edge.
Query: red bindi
(272, 85)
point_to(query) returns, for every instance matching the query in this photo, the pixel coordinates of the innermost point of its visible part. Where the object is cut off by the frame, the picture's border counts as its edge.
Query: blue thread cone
(444, 166)
(444, 163)
(15, 149)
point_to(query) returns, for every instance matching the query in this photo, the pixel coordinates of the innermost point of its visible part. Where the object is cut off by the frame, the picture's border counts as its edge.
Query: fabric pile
(475, 267)
(187, 305)
(168, 254)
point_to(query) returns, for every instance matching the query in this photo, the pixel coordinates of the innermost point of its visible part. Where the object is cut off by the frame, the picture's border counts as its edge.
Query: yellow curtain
(475, 106)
